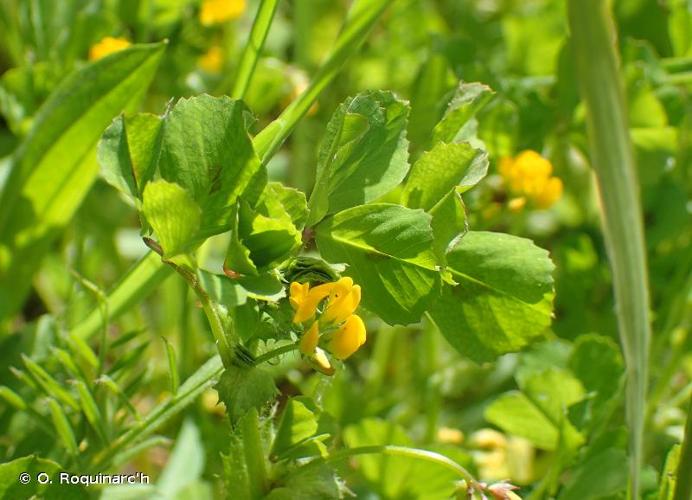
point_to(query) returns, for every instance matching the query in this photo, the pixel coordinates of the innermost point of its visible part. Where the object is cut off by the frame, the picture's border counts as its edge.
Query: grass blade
(593, 34)
(198, 382)
(361, 18)
(253, 47)
(683, 485)
(54, 168)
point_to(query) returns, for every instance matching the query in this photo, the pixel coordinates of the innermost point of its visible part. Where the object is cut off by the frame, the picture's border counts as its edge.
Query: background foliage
(498, 350)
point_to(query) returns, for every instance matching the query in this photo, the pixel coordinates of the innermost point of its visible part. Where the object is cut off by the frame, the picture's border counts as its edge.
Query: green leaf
(597, 362)
(186, 463)
(669, 478)
(63, 427)
(128, 152)
(429, 96)
(207, 151)
(503, 299)
(298, 423)
(467, 101)
(435, 182)
(364, 154)
(397, 476)
(602, 476)
(243, 388)
(53, 169)
(539, 412)
(314, 483)
(11, 487)
(173, 215)
(445, 167)
(389, 252)
(269, 234)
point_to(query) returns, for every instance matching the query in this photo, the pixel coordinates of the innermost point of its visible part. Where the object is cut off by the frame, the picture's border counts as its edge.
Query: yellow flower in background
(348, 338)
(107, 46)
(212, 60)
(344, 298)
(219, 11)
(529, 175)
(551, 192)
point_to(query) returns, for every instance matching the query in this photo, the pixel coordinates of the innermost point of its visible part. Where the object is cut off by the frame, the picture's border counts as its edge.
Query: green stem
(254, 453)
(253, 47)
(398, 451)
(593, 34)
(361, 18)
(225, 339)
(275, 353)
(683, 485)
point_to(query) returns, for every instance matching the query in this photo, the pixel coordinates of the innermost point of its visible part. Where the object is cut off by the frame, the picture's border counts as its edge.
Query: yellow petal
(107, 46)
(551, 192)
(219, 11)
(309, 340)
(320, 362)
(348, 338)
(341, 304)
(212, 60)
(307, 306)
(298, 292)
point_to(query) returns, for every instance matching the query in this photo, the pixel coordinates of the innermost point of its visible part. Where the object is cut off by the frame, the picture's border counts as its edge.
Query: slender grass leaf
(389, 252)
(12, 398)
(49, 385)
(63, 427)
(91, 409)
(594, 41)
(52, 170)
(172, 366)
(197, 383)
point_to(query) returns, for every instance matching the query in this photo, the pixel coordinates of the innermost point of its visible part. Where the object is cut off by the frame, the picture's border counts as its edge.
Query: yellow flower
(212, 60)
(320, 362)
(552, 191)
(344, 298)
(309, 340)
(219, 11)
(305, 300)
(530, 175)
(348, 338)
(107, 46)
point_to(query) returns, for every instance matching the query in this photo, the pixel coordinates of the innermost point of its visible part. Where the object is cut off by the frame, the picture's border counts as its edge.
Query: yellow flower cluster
(107, 46)
(219, 11)
(212, 60)
(341, 298)
(529, 175)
